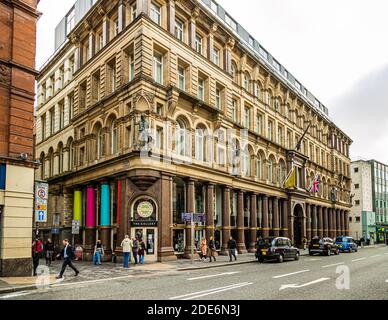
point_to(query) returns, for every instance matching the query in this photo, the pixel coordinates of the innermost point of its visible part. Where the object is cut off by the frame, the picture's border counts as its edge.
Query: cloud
(362, 112)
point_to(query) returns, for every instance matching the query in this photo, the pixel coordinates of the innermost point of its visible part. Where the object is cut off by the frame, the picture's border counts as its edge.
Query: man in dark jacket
(67, 254)
(37, 249)
(232, 247)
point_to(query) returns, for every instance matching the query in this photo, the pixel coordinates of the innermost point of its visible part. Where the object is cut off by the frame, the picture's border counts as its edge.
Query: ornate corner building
(151, 109)
(17, 168)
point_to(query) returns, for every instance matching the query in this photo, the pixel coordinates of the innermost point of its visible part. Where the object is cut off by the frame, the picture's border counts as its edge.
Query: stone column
(253, 223)
(308, 222)
(193, 27)
(105, 31)
(165, 243)
(285, 226)
(342, 215)
(326, 232)
(77, 214)
(265, 217)
(334, 217)
(320, 222)
(338, 218)
(92, 44)
(121, 15)
(275, 217)
(124, 227)
(105, 214)
(347, 231)
(314, 228)
(209, 211)
(90, 222)
(190, 209)
(171, 16)
(225, 219)
(240, 223)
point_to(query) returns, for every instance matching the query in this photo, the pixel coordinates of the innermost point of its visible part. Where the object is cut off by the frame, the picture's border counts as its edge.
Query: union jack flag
(314, 187)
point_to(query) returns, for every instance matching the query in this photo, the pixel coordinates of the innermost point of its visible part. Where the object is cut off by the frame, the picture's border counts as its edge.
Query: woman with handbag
(212, 249)
(141, 251)
(98, 253)
(203, 249)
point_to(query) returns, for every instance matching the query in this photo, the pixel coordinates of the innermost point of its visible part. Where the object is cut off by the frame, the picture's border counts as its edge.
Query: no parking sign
(41, 198)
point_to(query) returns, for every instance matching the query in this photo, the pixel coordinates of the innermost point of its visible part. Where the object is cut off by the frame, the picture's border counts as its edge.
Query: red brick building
(17, 93)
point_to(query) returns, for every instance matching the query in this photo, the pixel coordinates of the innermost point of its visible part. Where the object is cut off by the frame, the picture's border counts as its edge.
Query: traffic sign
(75, 227)
(41, 200)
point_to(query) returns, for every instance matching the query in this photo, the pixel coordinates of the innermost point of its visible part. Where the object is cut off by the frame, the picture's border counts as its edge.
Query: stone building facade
(17, 93)
(151, 109)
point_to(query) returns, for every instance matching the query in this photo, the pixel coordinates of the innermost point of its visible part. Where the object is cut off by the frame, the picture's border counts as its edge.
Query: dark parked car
(346, 244)
(322, 246)
(279, 249)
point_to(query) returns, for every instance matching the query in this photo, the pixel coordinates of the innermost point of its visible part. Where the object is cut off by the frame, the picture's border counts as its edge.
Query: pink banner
(90, 208)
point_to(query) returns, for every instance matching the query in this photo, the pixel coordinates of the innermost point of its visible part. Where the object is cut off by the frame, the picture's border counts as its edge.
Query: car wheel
(280, 258)
(297, 256)
(328, 252)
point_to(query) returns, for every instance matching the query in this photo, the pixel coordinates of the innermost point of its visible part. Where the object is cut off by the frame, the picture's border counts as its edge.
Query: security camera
(23, 156)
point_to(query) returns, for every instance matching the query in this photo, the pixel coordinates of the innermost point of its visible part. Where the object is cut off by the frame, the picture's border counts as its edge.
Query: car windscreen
(266, 242)
(315, 241)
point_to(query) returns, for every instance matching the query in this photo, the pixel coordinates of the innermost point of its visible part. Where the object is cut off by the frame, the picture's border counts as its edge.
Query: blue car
(346, 244)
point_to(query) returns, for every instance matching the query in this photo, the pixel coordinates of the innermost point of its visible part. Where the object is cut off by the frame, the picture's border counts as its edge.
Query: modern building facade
(362, 220)
(17, 94)
(369, 187)
(151, 109)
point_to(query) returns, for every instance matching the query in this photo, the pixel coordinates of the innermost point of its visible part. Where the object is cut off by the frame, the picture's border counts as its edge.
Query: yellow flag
(290, 182)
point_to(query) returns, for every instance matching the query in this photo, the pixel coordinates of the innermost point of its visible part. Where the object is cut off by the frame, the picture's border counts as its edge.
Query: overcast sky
(337, 48)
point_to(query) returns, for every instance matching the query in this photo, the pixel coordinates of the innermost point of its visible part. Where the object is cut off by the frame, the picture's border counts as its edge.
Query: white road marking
(314, 259)
(89, 281)
(16, 294)
(296, 286)
(333, 265)
(361, 259)
(376, 256)
(289, 274)
(199, 294)
(386, 253)
(214, 275)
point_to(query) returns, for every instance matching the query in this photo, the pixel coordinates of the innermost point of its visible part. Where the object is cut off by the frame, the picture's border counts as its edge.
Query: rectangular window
(198, 44)
(201, 89)
(61, 109)
(99, 41)
(131, 64)
(71, 106)
(259, 124)
(62, 76)
(216, 56)
(247, 113)
(43, 126)
(82, 96)
(270, 131)
(134, 11)
(52, 121)
(234, 110)
(115, 27)
(159, 138)
(155, 13)
(179, 30)
(111, 76)
(181, 78)
(356, 186)
(279, 139)
(218, 99)
(158, 68)
(96, 83)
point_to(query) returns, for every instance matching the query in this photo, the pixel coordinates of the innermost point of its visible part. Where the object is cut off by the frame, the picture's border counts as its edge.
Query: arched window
(181, 138)
(42, 165)
(60, 158)
(114, 137)
(270, 171)
(246, 163)
(247, 80)
(200, 145)
(282, 172)
(100, 143)
(259, 167)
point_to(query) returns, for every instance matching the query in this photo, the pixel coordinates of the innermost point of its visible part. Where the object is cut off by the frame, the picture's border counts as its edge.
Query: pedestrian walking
(98, 253)
(135, 250)
(232, 248)
(212, 249)
(127, 245)
(49, 251)
(142, 248)
(67, 253)
(37, 249)
(203, 249)
(304, 242)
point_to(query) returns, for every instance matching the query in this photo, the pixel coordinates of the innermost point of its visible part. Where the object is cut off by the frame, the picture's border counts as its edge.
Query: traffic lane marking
(203, 293)
(333, 265)
(361, 259)
(290, 274)
(214, 275)
(297, 286)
